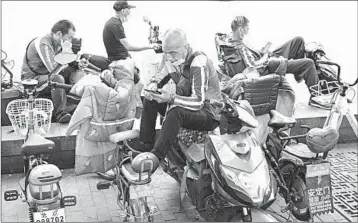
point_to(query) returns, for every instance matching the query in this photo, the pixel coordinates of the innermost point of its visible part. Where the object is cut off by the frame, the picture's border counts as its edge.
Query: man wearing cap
(302, 68)
(114, 37)
(196, 84)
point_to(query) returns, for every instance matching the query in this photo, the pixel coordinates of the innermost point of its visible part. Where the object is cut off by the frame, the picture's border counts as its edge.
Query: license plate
(319, 188)
(57, 215)
(138, 191)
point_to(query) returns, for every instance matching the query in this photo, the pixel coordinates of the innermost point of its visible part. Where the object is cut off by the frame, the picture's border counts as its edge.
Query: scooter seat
(122, 136)
(36, 145)
(300, 150)
(278, 120)
(130, 174)
(189, 136)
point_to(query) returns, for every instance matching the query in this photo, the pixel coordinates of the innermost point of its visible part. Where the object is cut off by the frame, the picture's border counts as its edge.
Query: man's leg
(75, 76)
(148, 121)
(303, 69)
(58, 96)
(180, 117)
(292, 49)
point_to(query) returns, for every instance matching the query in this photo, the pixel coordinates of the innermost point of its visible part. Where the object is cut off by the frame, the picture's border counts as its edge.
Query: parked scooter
(300, 167)
(153, 34)
(225, 176)
(133, 177)
(31, 118)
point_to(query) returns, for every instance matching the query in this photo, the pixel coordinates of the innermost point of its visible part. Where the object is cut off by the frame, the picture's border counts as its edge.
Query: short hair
(239, 21)
(179, 34)
(64, 26)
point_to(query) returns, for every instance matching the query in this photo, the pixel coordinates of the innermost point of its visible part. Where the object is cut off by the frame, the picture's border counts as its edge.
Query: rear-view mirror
(65, 58)
(146, 20)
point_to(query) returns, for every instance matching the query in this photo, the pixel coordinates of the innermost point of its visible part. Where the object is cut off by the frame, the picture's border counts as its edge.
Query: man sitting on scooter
(196, 83)
(39, 63)
(293, 50)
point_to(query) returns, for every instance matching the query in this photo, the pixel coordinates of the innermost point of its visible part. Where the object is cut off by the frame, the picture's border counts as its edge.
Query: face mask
(66, 46)
(178, 62)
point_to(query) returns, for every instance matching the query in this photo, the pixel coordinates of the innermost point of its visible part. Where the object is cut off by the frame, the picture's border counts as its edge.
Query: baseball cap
(122, 4)
(239, 21)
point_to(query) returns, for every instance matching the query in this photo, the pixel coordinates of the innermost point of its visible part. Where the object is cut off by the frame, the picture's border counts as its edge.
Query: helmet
(322, 140)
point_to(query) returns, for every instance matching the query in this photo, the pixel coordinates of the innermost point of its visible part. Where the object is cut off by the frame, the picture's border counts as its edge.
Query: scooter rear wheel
(140, 210)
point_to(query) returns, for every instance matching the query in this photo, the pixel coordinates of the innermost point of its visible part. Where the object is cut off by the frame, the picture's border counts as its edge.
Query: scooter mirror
(146, 19)
(65, 58)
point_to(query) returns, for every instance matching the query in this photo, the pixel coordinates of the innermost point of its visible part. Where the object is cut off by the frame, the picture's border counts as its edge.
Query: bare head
(175, 45)
(239, 27)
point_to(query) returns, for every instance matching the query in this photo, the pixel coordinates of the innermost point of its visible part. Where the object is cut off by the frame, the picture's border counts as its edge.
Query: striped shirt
(195, 87)
(40, 54)
(250, 57)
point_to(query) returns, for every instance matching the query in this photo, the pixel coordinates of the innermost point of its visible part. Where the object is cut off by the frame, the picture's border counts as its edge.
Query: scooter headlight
(253, 184)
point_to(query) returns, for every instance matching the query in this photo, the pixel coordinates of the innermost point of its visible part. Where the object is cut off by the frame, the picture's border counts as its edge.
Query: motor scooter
(31, 118)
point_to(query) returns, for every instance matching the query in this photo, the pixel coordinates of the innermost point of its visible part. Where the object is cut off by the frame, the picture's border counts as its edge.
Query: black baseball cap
(122, 4)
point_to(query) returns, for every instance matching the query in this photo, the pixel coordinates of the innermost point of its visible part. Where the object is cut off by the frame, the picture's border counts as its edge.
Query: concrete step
(64, 153)
(315, 118)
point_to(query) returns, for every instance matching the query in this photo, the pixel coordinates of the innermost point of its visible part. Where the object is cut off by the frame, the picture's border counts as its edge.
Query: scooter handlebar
(333, 64)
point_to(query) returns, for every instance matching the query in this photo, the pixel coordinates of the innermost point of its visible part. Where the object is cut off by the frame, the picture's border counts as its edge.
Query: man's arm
(47, 54)
(200, 84)
(120, 35)
(163, 72)
(249, 58)
(130, 47)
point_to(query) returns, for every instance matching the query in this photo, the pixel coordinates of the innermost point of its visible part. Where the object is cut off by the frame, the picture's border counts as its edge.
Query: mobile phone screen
(155, 92)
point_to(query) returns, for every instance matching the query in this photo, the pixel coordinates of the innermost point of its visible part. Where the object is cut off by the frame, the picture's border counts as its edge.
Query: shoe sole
(319, 106)
(64, 119)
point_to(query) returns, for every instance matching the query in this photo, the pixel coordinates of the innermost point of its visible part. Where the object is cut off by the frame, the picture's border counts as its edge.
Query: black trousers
(175, 119)
(302, 68)
(58, 95)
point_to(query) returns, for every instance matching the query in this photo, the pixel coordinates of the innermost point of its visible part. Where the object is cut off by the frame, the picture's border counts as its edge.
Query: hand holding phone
(153, 91)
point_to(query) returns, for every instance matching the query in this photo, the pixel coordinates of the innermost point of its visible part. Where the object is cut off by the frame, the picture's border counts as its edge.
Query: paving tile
(9, 218)
(103, 214)
(76, 216)
(168, 215)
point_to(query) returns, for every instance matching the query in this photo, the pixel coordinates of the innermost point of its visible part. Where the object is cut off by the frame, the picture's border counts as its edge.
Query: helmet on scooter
(322, 140)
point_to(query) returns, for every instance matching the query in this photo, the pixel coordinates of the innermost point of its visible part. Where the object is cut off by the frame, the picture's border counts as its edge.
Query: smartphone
(266, 48)
(152, 91)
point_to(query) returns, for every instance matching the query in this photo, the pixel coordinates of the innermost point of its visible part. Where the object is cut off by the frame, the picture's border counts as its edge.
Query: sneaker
(318, 104)
(64, 118)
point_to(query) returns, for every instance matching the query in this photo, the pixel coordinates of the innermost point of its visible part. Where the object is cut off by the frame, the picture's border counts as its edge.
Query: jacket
(101, 104)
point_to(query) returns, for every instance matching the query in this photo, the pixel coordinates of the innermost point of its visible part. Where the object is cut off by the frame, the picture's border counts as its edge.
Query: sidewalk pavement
(101, 206)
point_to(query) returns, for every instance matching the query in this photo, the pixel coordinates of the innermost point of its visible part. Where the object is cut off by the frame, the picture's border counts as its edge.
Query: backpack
(315, 51)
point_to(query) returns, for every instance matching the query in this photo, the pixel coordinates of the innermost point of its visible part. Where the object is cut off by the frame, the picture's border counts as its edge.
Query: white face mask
(66, 46)
(178, 62)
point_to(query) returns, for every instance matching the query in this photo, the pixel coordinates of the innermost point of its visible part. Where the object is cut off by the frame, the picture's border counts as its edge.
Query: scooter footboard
(259, 215)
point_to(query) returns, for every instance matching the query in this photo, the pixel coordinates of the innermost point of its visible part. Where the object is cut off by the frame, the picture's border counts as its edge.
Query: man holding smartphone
(196, 84)
(294, 50)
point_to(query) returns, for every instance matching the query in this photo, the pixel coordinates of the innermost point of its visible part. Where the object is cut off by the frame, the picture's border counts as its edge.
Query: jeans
(175, 119)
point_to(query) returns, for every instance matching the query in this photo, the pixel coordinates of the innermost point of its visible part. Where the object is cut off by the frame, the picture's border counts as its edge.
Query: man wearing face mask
(196, 84)
(302, 68)
(114, 37)
(39, 62)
